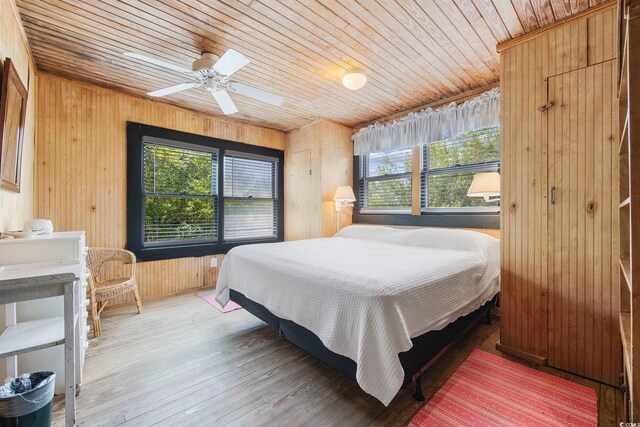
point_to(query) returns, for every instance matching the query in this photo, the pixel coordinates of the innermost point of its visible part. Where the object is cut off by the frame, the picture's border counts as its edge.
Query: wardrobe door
(582, 222)
(523, 216)
(302, 203)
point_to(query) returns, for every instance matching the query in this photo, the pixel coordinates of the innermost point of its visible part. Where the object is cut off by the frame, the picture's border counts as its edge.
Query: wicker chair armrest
(104, 255)
(132, 263)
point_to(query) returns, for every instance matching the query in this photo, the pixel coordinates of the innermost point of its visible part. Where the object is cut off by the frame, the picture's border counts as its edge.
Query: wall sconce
(485, 185)
(343, 198)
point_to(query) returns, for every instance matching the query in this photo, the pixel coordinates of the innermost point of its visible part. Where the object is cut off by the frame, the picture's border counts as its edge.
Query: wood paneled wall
(303, 206)
(532, 240)
(337, 170)
(80, 174)
(318, 159)
(16, 208)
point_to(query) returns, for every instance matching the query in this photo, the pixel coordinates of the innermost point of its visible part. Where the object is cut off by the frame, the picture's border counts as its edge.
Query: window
(191, 195)
(385, 182)
(446, 171)
(448, 167)
(250, 197)
(180, 194)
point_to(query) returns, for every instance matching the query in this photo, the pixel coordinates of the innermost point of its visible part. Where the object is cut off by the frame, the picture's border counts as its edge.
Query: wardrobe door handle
(552, 195)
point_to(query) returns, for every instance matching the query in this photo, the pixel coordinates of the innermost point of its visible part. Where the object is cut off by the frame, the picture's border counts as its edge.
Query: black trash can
(32, 408)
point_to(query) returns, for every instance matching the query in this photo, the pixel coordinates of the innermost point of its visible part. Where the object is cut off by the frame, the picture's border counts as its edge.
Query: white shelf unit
(629, 202)
(54, 253)
(34, 335)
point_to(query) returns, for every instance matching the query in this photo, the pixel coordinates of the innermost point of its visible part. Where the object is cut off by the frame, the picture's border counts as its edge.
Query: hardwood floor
(181, 362)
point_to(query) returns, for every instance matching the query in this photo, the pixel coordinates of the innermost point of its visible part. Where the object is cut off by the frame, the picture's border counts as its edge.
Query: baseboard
(540, 360)
(159, 297)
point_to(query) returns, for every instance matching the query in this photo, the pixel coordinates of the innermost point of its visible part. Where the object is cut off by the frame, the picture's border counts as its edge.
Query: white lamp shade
(344, 194)
(485, 184)
(354, 80)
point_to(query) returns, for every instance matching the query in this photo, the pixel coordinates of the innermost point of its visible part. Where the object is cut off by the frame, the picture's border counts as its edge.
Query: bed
(374, 302)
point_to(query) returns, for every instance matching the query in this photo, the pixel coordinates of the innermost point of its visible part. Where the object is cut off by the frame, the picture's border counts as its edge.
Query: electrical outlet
(214, 262)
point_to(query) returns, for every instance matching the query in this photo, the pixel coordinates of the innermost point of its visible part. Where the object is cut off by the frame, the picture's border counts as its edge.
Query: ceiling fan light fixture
(207, 60)
(354, 79)
(213, 74)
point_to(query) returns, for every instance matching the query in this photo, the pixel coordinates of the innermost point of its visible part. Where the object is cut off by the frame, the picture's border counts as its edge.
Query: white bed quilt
(368, 290)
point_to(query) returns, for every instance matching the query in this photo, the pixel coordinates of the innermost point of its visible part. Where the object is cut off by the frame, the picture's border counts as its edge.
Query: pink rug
(488, 390)
(211, 299)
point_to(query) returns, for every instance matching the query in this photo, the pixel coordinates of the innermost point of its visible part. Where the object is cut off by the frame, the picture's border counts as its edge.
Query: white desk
(39, 334)
(49, 254)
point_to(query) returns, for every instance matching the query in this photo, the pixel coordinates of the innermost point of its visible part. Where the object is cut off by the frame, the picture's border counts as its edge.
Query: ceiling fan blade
(172, 89)
(230, 62)
(256, 93)
(158, 62)
(224, 101)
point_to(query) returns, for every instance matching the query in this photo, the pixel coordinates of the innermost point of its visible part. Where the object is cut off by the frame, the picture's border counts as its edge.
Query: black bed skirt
(426, 347)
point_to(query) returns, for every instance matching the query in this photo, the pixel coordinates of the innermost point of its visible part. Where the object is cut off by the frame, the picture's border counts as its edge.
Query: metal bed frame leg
(487, 319)
(418, 395)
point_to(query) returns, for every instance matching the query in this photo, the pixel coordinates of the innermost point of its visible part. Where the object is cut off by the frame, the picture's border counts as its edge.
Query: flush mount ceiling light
(354, 80)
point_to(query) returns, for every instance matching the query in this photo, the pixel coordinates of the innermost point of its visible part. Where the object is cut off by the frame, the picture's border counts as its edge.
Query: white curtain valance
(430, 125)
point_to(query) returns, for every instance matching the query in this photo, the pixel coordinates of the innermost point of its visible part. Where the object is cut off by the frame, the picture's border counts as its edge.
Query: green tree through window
(449, 166)
(180, 187)
(387, 180)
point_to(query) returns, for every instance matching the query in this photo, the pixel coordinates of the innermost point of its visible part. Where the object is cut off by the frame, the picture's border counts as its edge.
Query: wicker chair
(101, 289)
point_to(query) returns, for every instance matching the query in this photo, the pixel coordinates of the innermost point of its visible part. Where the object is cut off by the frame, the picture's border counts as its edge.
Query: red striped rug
(488, 390)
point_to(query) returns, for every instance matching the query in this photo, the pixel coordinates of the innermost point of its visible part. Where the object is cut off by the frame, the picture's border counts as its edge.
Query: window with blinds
(448, 168)
(250, 197)
(180, 194)
(385, 182)
(190, 195)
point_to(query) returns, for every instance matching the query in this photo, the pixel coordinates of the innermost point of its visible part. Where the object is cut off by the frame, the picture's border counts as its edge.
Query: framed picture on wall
(13, 110)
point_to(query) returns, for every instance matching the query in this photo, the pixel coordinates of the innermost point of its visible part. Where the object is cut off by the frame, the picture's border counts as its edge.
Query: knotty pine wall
(559, 296)
(16, 208)
(80, 173)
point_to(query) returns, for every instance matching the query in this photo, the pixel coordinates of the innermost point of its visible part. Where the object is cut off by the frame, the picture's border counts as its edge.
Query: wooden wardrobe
(559, 220)
(318, 159)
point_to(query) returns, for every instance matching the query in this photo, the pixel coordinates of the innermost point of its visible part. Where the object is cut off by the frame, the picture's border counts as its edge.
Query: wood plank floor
(182, 362)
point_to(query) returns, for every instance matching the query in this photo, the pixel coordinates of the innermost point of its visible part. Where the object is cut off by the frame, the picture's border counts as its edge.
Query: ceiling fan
(213, 76)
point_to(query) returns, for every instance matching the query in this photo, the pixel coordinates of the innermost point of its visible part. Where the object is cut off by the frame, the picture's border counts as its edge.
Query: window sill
(460, 211)
(490, 220)
(156, 253)
(385, 212)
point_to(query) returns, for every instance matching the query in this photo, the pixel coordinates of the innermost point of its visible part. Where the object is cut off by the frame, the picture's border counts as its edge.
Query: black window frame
(136, 133)
(426, 171)
(145, 193)
(275, 194)
(365, 179)
(460, 218)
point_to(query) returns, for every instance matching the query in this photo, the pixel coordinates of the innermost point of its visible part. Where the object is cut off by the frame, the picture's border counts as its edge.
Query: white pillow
(445, 238)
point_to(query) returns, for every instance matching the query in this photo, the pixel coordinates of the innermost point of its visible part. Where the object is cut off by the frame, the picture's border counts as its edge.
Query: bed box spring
(425, 348)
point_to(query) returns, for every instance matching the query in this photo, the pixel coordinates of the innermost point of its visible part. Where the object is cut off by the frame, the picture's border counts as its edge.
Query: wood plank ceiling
(413, 52)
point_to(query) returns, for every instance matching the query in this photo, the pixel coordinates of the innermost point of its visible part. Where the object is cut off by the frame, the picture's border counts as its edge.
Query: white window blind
(448, 168)
(250, 197)
(385, 181)
(180, 194)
